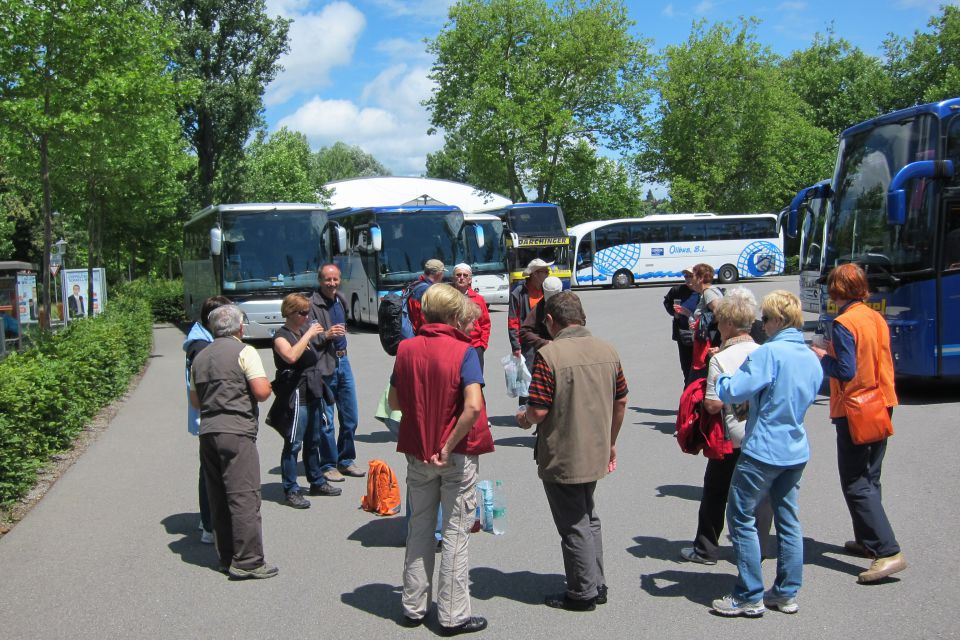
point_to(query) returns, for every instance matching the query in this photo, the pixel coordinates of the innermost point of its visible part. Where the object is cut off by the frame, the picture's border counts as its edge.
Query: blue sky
(357, 69)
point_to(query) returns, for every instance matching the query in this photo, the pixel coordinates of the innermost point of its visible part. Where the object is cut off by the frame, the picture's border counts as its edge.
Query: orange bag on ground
(383, 490)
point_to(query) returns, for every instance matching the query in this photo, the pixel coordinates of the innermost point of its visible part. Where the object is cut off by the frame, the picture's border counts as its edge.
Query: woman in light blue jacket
(780, 381)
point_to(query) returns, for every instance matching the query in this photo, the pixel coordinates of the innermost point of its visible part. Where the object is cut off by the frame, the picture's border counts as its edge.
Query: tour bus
(382, 249)
(486, 253)
(254, 254)
(894, 208)
(535, 230)
(812, 235)
(621, 253)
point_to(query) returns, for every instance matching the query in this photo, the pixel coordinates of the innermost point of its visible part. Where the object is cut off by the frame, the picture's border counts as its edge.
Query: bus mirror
(514, 239)
(376, 239)
(478, 231)
(897, 196)
(819, 190)
(216, 241)
(341, 239)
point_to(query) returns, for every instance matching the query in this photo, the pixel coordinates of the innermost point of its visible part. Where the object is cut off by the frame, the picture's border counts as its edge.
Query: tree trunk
(47, 232)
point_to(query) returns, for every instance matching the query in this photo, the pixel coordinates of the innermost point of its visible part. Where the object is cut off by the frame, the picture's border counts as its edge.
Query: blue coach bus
(894, 208)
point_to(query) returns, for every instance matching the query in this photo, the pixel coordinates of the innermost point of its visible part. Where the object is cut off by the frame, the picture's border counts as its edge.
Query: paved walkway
(112, 551)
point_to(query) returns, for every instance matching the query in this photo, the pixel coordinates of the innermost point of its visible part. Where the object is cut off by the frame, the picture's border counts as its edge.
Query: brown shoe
(353, 471)
(883, 567)
(855, 548)
(332, 475)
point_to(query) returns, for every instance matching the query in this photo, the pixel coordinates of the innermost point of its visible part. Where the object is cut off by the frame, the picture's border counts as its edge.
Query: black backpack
(393, 320)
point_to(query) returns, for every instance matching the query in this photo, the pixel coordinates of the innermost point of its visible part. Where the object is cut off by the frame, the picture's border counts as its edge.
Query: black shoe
(409, 622)
(325, 489)
(601, 595)
(562, 601)
(474, 623)
(296, 500)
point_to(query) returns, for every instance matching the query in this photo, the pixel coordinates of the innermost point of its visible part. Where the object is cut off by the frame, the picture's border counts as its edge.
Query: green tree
(232, 48)
(342, 162)
(278, 169)
(730, 135)
(590, 187)
(840, 84)
(521, 82)
(453, 162)
(926, 68)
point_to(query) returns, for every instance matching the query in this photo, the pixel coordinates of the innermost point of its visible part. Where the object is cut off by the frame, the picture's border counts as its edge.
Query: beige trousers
(454, 488)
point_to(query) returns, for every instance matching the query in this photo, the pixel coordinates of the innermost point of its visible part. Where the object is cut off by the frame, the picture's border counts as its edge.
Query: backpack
(383, 490)
(393, 320)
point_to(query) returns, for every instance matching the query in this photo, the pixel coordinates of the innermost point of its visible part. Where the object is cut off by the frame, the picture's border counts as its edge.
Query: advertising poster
(75, 292)
(27, 301)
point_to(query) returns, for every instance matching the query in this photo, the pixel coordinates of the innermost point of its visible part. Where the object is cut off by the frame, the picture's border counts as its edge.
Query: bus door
(583, 271)
(948, 297)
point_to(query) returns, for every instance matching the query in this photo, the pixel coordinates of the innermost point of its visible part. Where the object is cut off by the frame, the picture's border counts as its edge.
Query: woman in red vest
(437, 384)
(858, 358)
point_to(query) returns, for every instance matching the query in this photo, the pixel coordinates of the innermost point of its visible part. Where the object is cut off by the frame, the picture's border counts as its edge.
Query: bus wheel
(622, 279)
(355, 310)
(727, 274)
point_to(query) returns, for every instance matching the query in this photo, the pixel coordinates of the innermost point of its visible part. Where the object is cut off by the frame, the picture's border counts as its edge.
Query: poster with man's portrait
(75, 292)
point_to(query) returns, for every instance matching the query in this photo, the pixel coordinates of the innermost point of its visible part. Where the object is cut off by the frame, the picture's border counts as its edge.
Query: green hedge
(165, 297)
(50, 392)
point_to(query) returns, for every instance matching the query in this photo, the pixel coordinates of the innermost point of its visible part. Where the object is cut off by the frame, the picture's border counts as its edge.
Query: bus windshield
(409, 240)
(277, 248)
(492, 256)
(537, 221)
(811, 236)
(867, 162)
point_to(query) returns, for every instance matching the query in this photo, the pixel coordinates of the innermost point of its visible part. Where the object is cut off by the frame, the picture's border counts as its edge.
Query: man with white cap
(432, 274)
(533, 332)
(523, 299)
(480, 336)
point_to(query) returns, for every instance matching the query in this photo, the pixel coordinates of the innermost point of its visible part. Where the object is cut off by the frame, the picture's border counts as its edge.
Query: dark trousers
(859, 466)
(686, 358)
(205, 520)
(713, 509)
(232, 468)
(578, 524)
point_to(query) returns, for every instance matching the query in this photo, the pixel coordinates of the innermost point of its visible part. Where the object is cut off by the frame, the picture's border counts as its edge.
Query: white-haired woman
(735, 314)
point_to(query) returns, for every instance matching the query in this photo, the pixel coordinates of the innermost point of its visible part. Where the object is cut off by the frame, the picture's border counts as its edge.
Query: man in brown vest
(578, 397)
(226, 383)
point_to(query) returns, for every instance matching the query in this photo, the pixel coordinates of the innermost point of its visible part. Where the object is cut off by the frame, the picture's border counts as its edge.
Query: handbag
(867, 416)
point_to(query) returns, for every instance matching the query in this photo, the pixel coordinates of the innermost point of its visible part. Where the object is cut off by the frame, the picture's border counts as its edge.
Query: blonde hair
(293, 303)
(738, 307)
(783, 306)
(443, 303)
(470, 312)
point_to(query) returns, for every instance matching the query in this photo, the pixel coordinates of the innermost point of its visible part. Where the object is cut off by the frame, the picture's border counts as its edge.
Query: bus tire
(727, 274)
(355, 310)
(622, 279)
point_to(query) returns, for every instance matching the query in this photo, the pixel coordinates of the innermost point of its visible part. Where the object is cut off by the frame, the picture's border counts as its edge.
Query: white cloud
(667, 11)
(406, 50)
(704, 7)
(319, 41)
(388, 122)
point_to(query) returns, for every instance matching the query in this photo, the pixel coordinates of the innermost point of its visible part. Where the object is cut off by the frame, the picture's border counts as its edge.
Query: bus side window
(951, 239)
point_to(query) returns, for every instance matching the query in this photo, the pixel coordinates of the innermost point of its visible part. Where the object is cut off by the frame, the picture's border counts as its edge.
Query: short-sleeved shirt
(708, 297)
(542, 384)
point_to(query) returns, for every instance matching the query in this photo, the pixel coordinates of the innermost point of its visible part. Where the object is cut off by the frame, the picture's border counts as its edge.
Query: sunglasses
(303, 314)
(765, 319)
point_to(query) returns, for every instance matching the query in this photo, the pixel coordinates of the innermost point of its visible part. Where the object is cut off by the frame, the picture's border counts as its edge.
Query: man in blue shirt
(328, 307)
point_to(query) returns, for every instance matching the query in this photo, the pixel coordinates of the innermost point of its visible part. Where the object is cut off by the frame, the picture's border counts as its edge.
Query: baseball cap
(433, 266)
(687, 272)
(551, 286)
(535, 264)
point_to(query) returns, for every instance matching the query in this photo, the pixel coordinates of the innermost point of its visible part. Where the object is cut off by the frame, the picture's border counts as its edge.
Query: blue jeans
(752, 480)
(305, 437)
(340, 451)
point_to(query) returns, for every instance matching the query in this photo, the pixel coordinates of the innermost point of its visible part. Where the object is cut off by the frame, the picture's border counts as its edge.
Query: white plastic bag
(516, 376)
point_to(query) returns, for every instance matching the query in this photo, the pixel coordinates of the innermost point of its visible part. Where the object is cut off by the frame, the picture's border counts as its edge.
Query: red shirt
(480, 337)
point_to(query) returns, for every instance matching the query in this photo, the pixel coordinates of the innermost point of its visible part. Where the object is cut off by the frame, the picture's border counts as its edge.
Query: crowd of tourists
(749, 362)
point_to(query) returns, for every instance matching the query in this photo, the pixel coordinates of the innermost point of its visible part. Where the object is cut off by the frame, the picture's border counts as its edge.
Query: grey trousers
(454, 488)
(231, 467)
(578, 524)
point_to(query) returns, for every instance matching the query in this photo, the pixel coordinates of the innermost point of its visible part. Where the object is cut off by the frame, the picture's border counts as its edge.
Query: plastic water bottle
(486, 491)
(499, 510)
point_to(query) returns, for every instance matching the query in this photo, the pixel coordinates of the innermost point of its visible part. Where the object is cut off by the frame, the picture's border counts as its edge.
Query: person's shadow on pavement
(188, 545)
(701, 587)
(522, 586)
(382, 532)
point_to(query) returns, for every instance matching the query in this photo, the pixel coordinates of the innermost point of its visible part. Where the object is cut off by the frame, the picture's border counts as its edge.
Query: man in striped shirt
(578, 397)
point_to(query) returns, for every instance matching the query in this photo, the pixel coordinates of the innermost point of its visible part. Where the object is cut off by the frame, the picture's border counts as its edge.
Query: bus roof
(480, 217)
(257, 207)
(396, 209)
(586, 227)
(940, 109)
